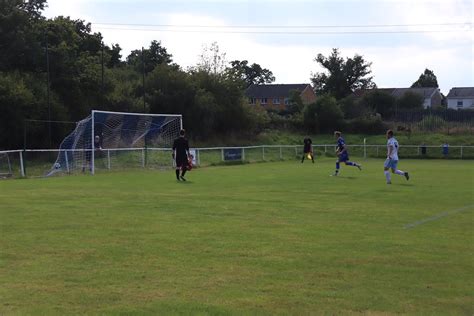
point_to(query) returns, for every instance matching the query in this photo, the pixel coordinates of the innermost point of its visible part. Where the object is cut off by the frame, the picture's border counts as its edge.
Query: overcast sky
(286, 35)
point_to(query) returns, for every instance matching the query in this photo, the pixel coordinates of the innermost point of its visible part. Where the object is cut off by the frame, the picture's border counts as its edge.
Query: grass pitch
(268, 238)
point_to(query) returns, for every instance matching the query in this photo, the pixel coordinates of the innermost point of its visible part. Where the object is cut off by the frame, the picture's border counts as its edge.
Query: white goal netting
(5, 165)
(113, 140)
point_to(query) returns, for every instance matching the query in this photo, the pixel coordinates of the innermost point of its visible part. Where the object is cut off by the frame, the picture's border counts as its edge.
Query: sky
(399, 37)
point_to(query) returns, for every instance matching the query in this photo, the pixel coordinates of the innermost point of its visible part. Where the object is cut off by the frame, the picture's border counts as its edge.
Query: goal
(5, 165)
(118, 140)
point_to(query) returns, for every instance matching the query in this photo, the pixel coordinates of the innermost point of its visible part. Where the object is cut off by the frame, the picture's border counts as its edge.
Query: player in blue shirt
(343, 154)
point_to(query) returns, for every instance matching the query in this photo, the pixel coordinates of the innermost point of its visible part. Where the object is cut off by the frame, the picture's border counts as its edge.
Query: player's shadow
(406, 184)
(346, 177)
(185, 182)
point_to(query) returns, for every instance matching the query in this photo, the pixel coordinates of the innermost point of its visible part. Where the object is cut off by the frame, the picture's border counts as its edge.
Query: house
(461, 98)
(277, 96)
(431, 96)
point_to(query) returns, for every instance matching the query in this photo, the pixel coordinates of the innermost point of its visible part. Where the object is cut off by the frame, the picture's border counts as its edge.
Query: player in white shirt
(392, 158)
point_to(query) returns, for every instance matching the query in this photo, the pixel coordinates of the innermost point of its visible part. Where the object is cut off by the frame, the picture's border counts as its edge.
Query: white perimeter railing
(147, 157)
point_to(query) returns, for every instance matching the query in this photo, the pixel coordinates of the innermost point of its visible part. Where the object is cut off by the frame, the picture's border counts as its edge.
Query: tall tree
(20, 34)
(212, 60)
(115, 56)
(342, 77)
(249, 74)
(153, 56)
(427, 80)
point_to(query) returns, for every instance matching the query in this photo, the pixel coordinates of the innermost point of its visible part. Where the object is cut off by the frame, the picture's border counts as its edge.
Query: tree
(323, 115)
(295, 102)
(153, 56)
(253, 74)
(410, 101)
(74, 64)
(342, 77)
(212, 60)
(20, 34)
(115, 56)
(353, 108)
(427, 80)
(379, 102)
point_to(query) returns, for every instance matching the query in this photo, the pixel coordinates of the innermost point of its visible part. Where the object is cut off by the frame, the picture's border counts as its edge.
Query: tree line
(59, 70)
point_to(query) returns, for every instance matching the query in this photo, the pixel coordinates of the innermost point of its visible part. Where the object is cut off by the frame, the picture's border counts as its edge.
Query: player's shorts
(343, 157)
(391, 163)
(181, 161)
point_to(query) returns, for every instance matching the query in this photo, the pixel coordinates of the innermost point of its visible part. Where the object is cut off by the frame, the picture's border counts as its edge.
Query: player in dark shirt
(181, 155)
(308, 149)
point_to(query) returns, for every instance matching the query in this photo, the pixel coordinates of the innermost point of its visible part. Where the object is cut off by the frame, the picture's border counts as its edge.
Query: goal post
(107, 140)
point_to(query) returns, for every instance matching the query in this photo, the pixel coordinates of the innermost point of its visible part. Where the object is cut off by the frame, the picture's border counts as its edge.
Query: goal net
(117, 140)
(5, 165)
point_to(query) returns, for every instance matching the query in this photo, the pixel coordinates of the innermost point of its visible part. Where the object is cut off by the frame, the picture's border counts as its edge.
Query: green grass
(267, 238)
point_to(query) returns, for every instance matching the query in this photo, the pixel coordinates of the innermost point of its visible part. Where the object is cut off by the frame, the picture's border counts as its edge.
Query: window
(252, 100)
(460, 104)
(287, 101)
(276, 101)
(263, 101)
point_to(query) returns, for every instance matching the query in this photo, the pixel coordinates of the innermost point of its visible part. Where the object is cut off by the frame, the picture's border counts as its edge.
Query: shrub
(323, 115)
(353, 108)
(380, 102)
(367, 125)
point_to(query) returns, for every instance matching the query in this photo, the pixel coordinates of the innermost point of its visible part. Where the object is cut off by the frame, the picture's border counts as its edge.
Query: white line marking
(438, 216)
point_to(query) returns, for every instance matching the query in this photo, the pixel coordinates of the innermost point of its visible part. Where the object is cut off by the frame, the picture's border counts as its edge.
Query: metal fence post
(365, 149)
(108, 159)
(198, 158)
(67, 160)
(461, 151)
(243, 154)
(281, 154)
(22, 167)
(263, 153)
(143, 158)
(222, 154)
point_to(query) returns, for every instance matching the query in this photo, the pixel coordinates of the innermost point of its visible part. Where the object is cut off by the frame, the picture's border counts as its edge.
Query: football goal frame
(93, 134)
(116, 138)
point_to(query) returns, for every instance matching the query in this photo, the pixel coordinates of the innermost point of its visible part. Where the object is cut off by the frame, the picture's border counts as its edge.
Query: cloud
(398, 60)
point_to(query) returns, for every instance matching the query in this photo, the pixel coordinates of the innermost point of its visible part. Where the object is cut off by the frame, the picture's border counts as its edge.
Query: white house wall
(466, 103)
